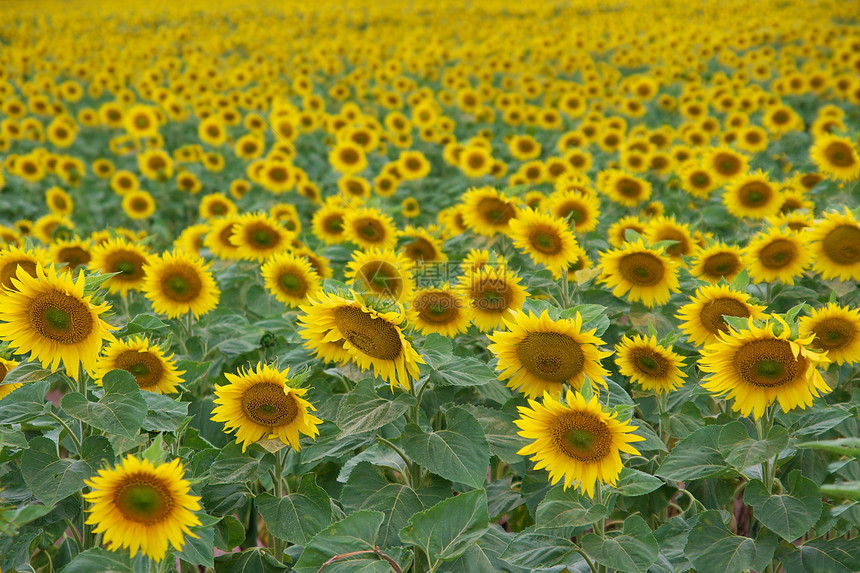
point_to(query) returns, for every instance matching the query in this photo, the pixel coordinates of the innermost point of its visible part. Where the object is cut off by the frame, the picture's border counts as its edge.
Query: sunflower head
(152, 370)
(177, 282)
(703, 316)
(123, 257)
(651, 365)
(836, 330)
(835, 245)
(640, 272)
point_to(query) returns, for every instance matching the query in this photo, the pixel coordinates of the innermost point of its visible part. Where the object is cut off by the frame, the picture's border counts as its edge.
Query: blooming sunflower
(777, 254)
(381, 273)
(440, 310)
(142, 507)
(153, 370)
(668, 229)
(725, 164)
(487, 211)
(546, 238)
(623, 188)
(369, 228)
(583, 210)
(191, 238)
(703, 316)
(717, 262)
(59, 202)
(123, 257)
(617, 233)
(72, 253)
(752, 195)
(138, 204)
(757, 367)
(216, 205)
(835, 246)
(578, 441)
(640, 272)
(13, 257)
(370, 338)
(258, 236)
(421, 246)
(348, 157)
(539, 355)
(218, 240)
(697, 180)
(290, 278)
(652, 366)
(835, 329)
(492, 291)
(5, 367)
(49, 317)
(836, 156)
(327, 222)
(177, 282)
(261, 404)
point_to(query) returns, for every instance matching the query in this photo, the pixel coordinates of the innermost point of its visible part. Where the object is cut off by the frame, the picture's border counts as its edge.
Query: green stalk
(278, 544)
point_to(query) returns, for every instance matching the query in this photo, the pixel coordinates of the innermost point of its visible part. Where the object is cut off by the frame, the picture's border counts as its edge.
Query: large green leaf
(164, 414)
(632, 550)
(632, 483)
(357, 532)
(51, 478)
(254, 560)
(842, 490)
(695, 457)
(198, 550)
(104, 561)
(532, 549)
(458, 453)
(143, 323)
(501, 433)
(561, 509)
(364, 409)
(299, 516)
(448, 528)
(484, 556)
(26, 373)
(233, 466)
(25, 403)
(714, 549)
(450, 370)
(822, 555)
(743, 451)
(841, 446)
(789, 514)
(120, 411)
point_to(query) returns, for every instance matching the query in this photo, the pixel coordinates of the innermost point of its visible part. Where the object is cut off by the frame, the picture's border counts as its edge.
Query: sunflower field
(430, 286)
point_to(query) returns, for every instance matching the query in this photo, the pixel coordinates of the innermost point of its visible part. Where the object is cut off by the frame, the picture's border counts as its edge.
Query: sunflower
(218, 236)
(617, 233)
(370, 228)
(370, 338)
(381, 273)
(124, 181)
(348, 157)
(72, 253)
(275, 176)
(153, 371)
(546, 238)
(191, 238)
(258, 236)
(581, 209)
(142, 507)
(640, 272)
(49, 317)
(123, 257)
(327, 222)
(141, 121)
(652, 366)
(835, 245)
(836, 156)
(59, 201)
(13, 257)
(492, 292)
(624, 188)
(725, 164)
(261, 404)
(320, 264)
(703, 316)
(177, 282)
(776, 254)
(757, 367)
(290, 278)
(475, 161)
(539, 355)
(5, 367)
(421, 246)
(752, 195)
(138, 204)
(155, 164)
(354, 187)
(835, 329)
(578, 441)
(441, 310)
(697, 180)
(668, 229)
(717, 262)
(216, 205)
(487, 211)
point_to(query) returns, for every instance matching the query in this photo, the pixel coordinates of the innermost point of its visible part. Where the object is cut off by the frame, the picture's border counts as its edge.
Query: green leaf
(532, 549)
(841, 446)
(257, 560)
(695, 457)
(742, 451)
(299, 516)
(51, 478)
(501, 432)
(484, 556)
(233, 466)
(155, 453)
(13, 438)
(564, 509)
(357, 532)
(120, 411)
(364, 410)
(632, 550)
(102, 560)
(448, 528)
(26, 373)
(790, 514)
(94, 281)
(367, 488)
(742, 281)
(199, 550)
(842, 490)
(450, 370)
(632, 483)
(164, 414)
(142, 323)
(25, 403)
(821, 555)
(458, 453)
(714, 549)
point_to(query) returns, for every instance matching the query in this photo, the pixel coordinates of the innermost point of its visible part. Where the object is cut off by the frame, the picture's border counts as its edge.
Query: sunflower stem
(600, 526)
(68, 431)
(278, 544)
(587, 560)
(565, 289)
